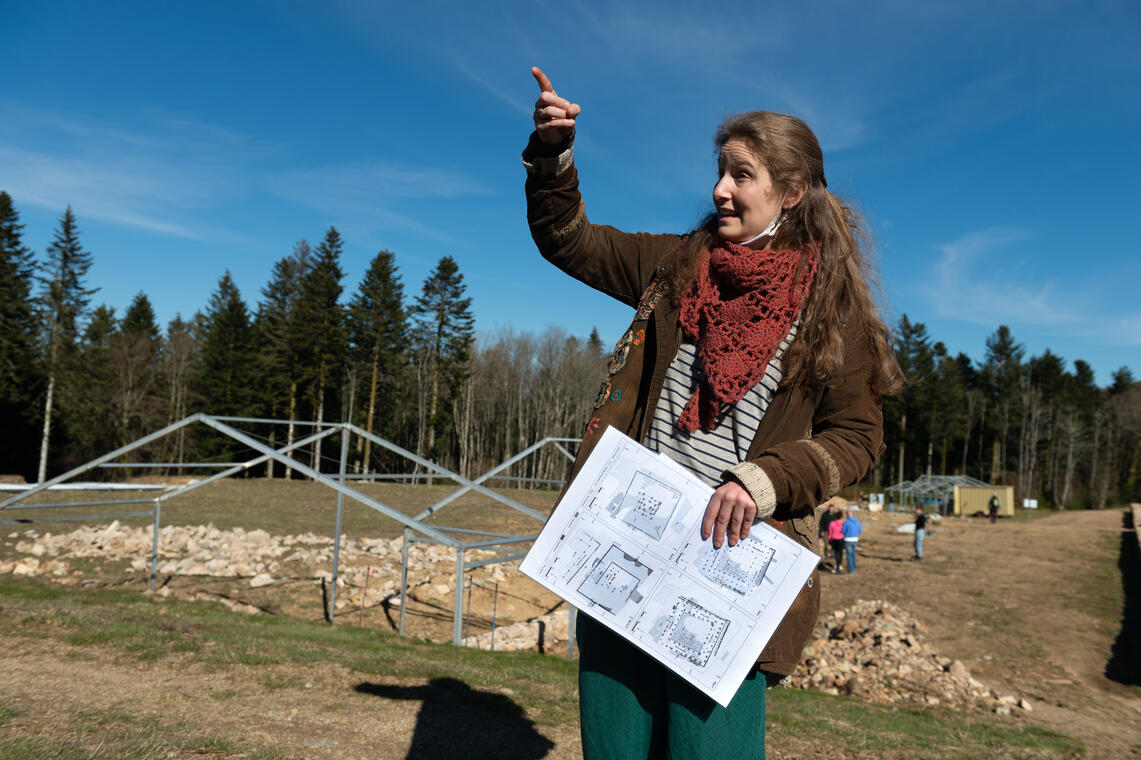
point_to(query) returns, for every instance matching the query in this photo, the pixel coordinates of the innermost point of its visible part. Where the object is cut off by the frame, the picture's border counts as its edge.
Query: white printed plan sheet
(625, 547)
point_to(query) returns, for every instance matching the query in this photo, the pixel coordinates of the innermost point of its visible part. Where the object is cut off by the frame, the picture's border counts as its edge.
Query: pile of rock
(547, 633)
(877, 652)
(256, 555)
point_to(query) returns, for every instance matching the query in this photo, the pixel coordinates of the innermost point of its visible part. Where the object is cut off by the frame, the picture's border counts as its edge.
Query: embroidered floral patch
(658, 287)
(621, 353)
(592, 426)
(603, 394)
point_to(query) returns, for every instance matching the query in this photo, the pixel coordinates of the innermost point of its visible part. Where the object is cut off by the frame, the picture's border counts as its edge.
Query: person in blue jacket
(852, 528)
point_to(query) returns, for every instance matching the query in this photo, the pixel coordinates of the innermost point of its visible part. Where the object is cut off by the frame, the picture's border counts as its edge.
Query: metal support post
(404, 579)
(337, 530)
(467, 617)
(494, 616)
(154, 543)
(458, 610)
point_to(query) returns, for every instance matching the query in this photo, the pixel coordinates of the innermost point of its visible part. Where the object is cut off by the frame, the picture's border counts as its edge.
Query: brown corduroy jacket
(810, 442)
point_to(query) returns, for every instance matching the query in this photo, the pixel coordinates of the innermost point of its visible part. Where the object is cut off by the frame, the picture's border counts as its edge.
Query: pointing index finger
(541, 78)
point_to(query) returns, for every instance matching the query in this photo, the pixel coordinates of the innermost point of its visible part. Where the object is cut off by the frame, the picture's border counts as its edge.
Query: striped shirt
(708, 454)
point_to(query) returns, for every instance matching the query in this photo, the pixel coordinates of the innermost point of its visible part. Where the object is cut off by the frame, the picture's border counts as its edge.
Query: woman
(756, 358)
(920, 530)
(836, 539)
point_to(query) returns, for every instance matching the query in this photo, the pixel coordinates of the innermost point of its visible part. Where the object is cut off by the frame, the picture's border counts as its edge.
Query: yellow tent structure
(972, 499)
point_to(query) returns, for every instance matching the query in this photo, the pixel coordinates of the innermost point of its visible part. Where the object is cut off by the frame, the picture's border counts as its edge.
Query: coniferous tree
(378, 343)
(1045, 380)
(948, 399)
(101, 327)
(84, 407)
(1122, 380)
(907, 420)
(280, 346)
(65, 298)
(134, 397)
(177, 361)
(1001, 380)
(18, 366)
(321, 326)
(444, 327)
(595, 342)
(224, 377)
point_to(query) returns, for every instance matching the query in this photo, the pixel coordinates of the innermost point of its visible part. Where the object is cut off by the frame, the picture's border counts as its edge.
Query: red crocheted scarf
(741, 305)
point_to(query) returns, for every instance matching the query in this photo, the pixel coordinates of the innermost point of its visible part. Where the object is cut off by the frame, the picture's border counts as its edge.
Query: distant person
(851, 530)
(993, 505)
(920, 531)
(836, 539)
(831, 514)
(756, 359)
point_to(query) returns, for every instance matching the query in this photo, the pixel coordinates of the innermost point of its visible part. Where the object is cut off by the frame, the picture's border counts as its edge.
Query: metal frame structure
(931, 487)
(415, 529)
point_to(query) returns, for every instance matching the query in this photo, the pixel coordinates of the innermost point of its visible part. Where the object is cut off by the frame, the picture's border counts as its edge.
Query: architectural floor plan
(625, 547)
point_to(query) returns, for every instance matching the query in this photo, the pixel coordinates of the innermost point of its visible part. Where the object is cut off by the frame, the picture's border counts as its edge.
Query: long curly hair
(842, 289)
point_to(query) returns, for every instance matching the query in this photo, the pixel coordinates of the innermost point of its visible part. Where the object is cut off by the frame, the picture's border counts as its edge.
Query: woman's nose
(721, 189)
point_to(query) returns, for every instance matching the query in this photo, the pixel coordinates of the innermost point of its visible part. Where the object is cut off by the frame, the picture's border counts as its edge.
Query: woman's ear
(795, 195)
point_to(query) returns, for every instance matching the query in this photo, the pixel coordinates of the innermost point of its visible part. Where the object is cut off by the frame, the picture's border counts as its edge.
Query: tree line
(1030, 422)
(77, 380)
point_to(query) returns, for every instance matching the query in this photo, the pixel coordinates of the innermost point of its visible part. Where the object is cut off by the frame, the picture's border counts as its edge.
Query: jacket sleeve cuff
(542, 160)
(756, 481)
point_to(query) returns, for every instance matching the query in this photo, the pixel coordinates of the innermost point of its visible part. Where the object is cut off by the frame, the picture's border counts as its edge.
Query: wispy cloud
(159, 175)
(980, 279)
(977, 280)
(514, 99)
(111, 191)
(369, 195)
(351, 183)
(1124, 330)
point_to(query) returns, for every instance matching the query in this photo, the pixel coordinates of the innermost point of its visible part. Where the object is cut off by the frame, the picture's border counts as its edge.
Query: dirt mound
(876, 651)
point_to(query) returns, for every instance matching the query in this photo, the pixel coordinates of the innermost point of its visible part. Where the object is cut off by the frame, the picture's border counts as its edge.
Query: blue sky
(992, 146)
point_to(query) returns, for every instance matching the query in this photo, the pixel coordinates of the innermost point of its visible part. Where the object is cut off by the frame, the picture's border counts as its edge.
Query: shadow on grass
(1124, 665)
(457, 722)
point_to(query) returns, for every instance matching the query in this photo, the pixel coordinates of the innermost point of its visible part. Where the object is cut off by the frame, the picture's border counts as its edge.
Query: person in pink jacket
(836, 538)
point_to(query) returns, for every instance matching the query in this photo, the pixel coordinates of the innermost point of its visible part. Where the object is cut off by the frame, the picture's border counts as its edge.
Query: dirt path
(1032, 609)
(300, 712)
(1021, 605)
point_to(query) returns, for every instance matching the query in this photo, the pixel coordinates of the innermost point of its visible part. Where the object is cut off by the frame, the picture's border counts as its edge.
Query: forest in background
(78, 380)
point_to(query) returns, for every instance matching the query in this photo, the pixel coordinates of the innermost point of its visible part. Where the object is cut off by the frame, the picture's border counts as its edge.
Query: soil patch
(1029, 607)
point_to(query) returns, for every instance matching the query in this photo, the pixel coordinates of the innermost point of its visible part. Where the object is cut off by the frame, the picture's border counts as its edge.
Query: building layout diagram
(625, 547)
(740, 568)
(647, 505)
(691, 632)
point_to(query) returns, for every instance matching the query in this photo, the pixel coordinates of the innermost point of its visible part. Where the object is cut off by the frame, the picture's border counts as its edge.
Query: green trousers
(633, 708)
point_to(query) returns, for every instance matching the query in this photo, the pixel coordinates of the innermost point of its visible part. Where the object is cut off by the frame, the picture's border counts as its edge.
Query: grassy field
(103, 671)
(284, 507)
(531, 695)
